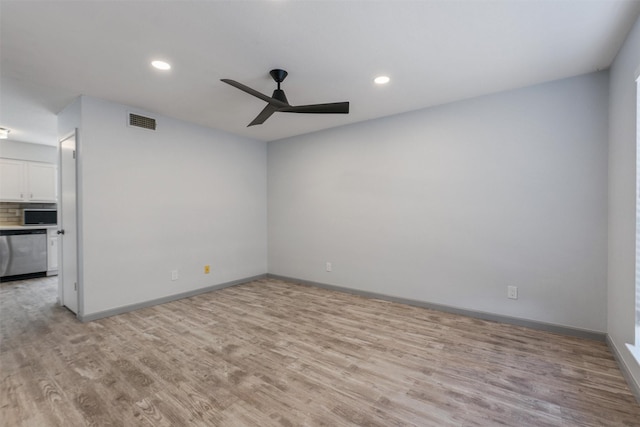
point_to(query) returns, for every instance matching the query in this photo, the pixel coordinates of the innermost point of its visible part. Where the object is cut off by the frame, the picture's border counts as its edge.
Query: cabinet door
(12, 180)
(42, 182)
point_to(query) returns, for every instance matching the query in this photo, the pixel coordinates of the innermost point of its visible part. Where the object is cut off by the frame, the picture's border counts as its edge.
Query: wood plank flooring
(272, 353)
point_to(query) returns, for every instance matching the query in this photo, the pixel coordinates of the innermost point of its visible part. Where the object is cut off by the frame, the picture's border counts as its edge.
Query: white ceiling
(435, 52)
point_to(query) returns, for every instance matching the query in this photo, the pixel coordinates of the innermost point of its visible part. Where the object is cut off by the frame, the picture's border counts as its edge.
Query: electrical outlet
(512, 292)
(207, 269)
(329, 267)
(174, 274)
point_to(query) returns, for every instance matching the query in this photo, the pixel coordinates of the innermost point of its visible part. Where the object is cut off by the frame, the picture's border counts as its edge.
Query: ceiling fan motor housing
(279, 95)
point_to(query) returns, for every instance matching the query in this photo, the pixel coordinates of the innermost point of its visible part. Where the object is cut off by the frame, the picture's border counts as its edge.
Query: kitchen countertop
(27, 227)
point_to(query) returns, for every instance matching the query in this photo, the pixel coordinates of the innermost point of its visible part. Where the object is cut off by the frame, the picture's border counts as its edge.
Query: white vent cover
(142, 121)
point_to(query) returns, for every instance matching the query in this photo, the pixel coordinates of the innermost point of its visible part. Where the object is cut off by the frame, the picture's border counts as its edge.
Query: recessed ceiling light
(4, 133)
(381, 80)
(161, 65)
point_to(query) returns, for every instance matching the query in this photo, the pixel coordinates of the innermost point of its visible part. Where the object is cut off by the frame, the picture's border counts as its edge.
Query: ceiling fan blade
(331, 108)
(255, 93)
(264, 115)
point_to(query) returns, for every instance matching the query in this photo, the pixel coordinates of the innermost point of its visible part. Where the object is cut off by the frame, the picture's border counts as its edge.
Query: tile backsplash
(11, 213)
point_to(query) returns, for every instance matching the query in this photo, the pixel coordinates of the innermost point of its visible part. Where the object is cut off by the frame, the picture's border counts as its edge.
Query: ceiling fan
(278, 101)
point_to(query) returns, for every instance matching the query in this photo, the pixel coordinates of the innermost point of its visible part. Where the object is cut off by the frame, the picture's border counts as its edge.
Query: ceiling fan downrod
(278, 75)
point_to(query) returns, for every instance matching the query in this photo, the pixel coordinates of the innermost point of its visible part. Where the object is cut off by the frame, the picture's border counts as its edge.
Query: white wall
(622, 196)
(69, 119)
(26, 151)
(451, 204)
(177, 198)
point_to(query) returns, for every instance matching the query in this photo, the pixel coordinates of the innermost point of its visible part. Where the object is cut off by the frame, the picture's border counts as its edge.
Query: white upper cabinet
(12, 180)
(22, 181)
(42, 178)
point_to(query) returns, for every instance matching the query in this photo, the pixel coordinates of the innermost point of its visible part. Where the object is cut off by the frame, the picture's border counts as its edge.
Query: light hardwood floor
(282, 354)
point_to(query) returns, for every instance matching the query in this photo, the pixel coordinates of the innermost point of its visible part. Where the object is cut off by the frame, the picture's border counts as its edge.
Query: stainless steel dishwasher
(23, 252)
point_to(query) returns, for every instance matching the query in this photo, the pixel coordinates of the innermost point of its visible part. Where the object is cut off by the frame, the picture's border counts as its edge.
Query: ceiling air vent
(142, 121)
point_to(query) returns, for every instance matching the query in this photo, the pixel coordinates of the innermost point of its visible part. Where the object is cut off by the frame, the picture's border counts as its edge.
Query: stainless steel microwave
(39, 216)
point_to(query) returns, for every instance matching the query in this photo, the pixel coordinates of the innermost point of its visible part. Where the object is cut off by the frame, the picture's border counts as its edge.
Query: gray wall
(178, 198)
(451, 204)
(622, 199)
